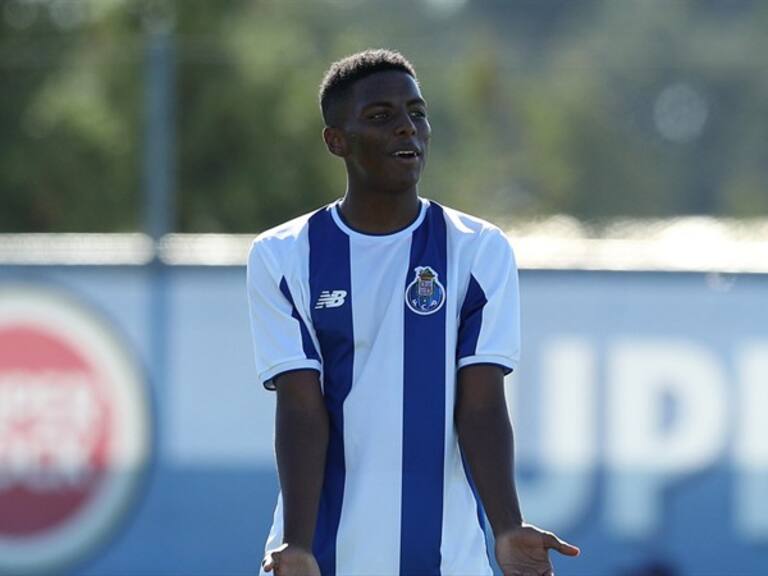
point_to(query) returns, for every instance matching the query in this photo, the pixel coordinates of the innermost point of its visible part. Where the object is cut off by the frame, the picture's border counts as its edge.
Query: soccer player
(386, 323)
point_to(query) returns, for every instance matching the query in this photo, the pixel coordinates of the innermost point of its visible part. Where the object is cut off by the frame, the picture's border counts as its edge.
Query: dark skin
(301, 441)
(382, 114)
(385, 113)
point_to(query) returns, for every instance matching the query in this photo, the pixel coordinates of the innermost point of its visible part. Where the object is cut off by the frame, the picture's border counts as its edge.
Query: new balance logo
(331, 299)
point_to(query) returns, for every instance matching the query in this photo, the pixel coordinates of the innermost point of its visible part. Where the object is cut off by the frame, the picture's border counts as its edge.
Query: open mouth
(406, 154)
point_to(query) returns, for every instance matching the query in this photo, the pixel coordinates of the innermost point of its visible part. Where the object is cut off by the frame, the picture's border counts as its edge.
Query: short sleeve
(282, 341)
(489, 318)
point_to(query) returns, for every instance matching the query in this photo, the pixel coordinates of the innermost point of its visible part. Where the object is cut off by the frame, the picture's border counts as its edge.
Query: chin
(403, 188)
(406, 182)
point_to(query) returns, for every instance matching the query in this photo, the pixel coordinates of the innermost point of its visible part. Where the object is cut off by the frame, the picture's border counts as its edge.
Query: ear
(335, 141)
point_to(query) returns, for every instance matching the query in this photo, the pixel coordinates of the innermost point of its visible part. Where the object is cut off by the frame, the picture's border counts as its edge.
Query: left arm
(486, 439)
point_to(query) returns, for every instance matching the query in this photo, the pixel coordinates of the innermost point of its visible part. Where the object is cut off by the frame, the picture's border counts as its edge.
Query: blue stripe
(471, 319)
(424, 410)
(329, 269)
(306, 340)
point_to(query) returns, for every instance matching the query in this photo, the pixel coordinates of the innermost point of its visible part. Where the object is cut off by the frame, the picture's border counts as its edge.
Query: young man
(386, 323)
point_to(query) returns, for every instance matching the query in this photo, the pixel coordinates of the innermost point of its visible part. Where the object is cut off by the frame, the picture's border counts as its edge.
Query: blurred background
(622, 144)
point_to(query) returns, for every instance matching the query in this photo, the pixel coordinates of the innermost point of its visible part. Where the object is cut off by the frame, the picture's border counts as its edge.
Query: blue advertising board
(640, 412)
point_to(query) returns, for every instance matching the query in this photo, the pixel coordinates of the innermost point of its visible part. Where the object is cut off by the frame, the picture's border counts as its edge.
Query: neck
(380, 213)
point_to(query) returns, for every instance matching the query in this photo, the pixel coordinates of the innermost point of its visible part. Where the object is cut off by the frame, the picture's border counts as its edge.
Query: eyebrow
(387, 104)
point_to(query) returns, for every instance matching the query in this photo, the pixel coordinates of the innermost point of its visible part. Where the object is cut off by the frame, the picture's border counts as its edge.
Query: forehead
(391, 86)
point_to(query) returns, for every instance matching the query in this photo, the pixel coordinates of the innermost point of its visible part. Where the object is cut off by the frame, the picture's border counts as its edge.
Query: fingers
(528, 567)
(553, 542)
(271, 561)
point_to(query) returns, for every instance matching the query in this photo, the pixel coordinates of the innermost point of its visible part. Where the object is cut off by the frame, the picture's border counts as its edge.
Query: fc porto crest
(425, 295)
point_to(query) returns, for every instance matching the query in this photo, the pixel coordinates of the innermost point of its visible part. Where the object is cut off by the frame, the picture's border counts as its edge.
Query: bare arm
(301, 441)
(485, 436)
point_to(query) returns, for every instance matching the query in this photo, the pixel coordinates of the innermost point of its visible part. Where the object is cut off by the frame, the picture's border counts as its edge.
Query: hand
(523, 551)
(290, 560)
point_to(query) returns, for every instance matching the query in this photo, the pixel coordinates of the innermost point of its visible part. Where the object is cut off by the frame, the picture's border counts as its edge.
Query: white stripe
(275, 537)
(369, 533)
(462, 536)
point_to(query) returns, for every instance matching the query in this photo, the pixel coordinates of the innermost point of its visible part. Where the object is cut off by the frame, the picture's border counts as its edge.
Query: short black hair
(345, 72)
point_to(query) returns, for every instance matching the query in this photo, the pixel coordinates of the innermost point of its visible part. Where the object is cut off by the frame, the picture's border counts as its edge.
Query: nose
(405, 126)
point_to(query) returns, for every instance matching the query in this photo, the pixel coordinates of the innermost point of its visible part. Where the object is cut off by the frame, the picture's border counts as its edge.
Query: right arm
(301, 441)
(288, 362)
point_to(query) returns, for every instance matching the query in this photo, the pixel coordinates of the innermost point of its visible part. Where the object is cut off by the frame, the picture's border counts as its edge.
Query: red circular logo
(73, 429)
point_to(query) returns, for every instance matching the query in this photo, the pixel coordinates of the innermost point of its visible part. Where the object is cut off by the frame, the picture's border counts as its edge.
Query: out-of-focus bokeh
(592, 108)
(621, 144)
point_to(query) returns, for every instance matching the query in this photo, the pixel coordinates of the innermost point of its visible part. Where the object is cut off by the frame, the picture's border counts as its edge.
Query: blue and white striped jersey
(387, 320)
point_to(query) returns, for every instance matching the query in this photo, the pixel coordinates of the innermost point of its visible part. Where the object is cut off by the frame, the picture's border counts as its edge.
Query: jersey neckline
(352, 233)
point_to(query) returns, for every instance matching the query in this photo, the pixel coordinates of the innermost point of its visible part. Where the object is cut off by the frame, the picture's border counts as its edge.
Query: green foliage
(597, 109)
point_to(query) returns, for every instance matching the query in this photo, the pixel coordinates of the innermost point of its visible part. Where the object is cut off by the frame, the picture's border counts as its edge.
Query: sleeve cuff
(507, 363)
(267, 376)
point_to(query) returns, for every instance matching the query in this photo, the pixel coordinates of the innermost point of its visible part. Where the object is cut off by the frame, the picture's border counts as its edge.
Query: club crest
(425, 295)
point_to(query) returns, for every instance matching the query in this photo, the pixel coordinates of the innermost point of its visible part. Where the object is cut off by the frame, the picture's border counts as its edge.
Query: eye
(378, 116)
(418, 113)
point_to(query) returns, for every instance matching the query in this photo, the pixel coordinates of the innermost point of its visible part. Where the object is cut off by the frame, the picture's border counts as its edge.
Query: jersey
(387, 321)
